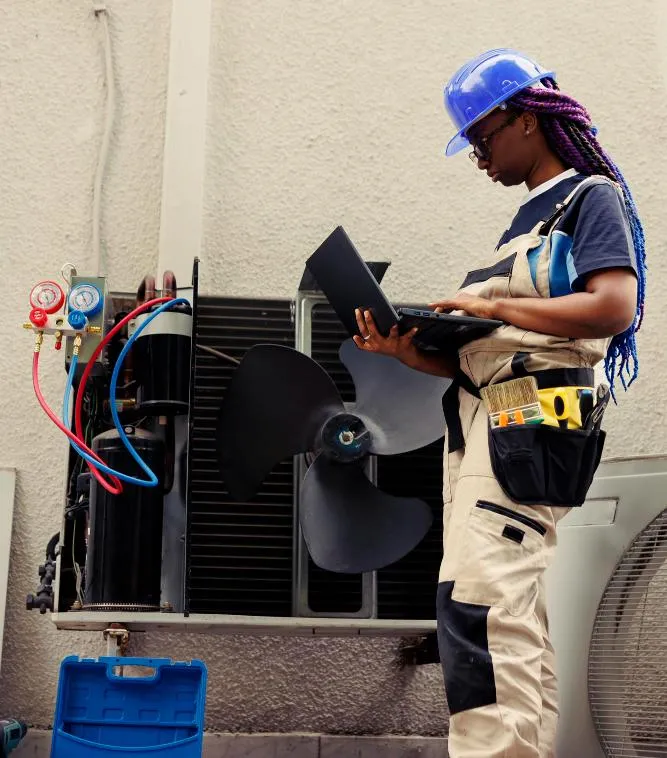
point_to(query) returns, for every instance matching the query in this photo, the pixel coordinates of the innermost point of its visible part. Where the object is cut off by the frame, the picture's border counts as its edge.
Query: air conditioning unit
(607, 602)
(243, 565)
(249, 558)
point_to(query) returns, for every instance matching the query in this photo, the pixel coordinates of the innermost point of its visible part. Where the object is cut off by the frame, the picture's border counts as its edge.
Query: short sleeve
(601, 236)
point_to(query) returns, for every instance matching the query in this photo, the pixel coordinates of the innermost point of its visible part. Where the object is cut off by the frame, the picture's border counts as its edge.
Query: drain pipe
(181, 217)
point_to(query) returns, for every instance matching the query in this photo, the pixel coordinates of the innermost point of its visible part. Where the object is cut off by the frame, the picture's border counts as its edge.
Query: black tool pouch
(538, 464)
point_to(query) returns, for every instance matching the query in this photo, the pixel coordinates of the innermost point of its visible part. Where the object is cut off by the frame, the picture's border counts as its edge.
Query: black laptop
(348, 283)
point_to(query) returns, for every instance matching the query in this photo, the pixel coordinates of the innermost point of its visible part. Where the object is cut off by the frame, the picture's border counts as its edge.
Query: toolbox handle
(153, 663)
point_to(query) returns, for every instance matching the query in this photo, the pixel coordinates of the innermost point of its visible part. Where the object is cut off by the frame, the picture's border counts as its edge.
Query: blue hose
(152, 481)
(82, 453)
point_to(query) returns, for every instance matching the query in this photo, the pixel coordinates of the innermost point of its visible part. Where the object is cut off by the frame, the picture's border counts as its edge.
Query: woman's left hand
(606, 308)
(473, 306)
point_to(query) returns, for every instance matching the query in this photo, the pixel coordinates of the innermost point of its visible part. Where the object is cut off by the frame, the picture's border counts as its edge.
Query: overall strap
(547, 226)
(554, 377)
(464, 381)
(450, 407)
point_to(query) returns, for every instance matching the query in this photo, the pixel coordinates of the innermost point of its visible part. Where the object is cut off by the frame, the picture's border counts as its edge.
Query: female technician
(567, 278)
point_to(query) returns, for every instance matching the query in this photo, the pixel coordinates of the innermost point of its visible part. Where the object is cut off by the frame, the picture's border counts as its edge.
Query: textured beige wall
(319, 114)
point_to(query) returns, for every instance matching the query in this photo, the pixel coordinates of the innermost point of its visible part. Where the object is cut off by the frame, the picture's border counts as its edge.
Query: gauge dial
(85, 298)
(48, 296)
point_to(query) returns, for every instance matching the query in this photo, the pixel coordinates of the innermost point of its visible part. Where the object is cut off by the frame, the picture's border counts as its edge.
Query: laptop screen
(348, 283)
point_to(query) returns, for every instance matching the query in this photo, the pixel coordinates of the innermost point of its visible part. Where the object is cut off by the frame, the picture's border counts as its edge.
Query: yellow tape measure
(560, 406)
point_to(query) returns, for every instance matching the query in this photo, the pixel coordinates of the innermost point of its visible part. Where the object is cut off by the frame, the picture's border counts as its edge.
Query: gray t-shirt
(593, 234)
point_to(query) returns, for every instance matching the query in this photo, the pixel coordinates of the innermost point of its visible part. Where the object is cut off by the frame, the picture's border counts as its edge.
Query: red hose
(91, 362)
(116, 488)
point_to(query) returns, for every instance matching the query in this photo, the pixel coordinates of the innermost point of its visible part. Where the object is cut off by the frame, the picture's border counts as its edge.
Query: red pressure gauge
(47, 296)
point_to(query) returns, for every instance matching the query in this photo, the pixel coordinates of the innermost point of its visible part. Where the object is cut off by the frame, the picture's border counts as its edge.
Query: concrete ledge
(37, 744)
(212, 623)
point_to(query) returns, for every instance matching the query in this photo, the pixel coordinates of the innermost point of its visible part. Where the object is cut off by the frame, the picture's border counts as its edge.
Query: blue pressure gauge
(85, 298)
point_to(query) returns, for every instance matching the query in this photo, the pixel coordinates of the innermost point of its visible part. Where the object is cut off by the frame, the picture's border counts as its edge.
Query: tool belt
(538, 464)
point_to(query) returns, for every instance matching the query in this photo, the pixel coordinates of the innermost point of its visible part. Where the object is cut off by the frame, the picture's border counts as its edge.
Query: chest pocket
(510, 275)
(560, 266)
(503, 268)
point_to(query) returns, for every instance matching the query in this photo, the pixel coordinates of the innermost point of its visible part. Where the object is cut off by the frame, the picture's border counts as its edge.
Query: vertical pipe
(181, 217)
(181, 222)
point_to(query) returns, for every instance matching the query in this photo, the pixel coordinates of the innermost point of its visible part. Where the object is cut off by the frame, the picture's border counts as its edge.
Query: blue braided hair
(570, 132)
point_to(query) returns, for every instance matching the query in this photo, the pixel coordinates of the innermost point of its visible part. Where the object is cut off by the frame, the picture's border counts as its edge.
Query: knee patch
(464, 652)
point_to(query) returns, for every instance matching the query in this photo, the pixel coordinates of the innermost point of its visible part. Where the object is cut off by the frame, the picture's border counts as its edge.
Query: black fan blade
(276, 403)
(350, 526)
(401, 407)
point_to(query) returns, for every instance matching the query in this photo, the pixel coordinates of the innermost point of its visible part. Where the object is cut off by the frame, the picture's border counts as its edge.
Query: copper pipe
(168, 284)
(146, 289)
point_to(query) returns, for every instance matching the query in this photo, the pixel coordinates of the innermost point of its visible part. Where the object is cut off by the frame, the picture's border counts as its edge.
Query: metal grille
(407, 588)
(239, 554)
(627, 675)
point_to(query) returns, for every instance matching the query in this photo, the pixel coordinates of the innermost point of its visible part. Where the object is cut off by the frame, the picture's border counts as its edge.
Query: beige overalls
(504, 492)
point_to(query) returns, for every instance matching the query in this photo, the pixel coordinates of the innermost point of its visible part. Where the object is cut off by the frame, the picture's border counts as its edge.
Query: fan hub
(344, 438)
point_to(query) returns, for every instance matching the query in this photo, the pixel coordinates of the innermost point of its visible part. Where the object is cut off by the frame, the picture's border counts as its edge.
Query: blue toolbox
(100, 712)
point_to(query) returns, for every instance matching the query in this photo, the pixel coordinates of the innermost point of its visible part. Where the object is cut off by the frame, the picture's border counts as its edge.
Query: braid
(570, 133)
(556, 134)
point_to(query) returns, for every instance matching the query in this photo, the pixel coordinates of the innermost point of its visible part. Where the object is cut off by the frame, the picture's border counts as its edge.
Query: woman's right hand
(401, 347)
(396, 345)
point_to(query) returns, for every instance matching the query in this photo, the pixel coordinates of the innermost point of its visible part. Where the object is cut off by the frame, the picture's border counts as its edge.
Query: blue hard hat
(483, 84)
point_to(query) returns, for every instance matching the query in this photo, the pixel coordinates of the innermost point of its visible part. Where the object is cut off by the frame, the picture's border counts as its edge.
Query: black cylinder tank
(161, 360)
(124, 558)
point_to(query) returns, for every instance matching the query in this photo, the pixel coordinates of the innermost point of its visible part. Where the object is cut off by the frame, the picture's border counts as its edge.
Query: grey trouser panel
(502, 503)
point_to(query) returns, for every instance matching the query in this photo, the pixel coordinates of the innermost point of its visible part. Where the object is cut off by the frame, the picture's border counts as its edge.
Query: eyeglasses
(482, 147)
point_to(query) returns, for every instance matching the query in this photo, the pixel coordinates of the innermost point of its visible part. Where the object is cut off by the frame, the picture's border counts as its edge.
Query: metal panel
(7, 489)
(317, 592)
(406, 589)
(100, 320)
